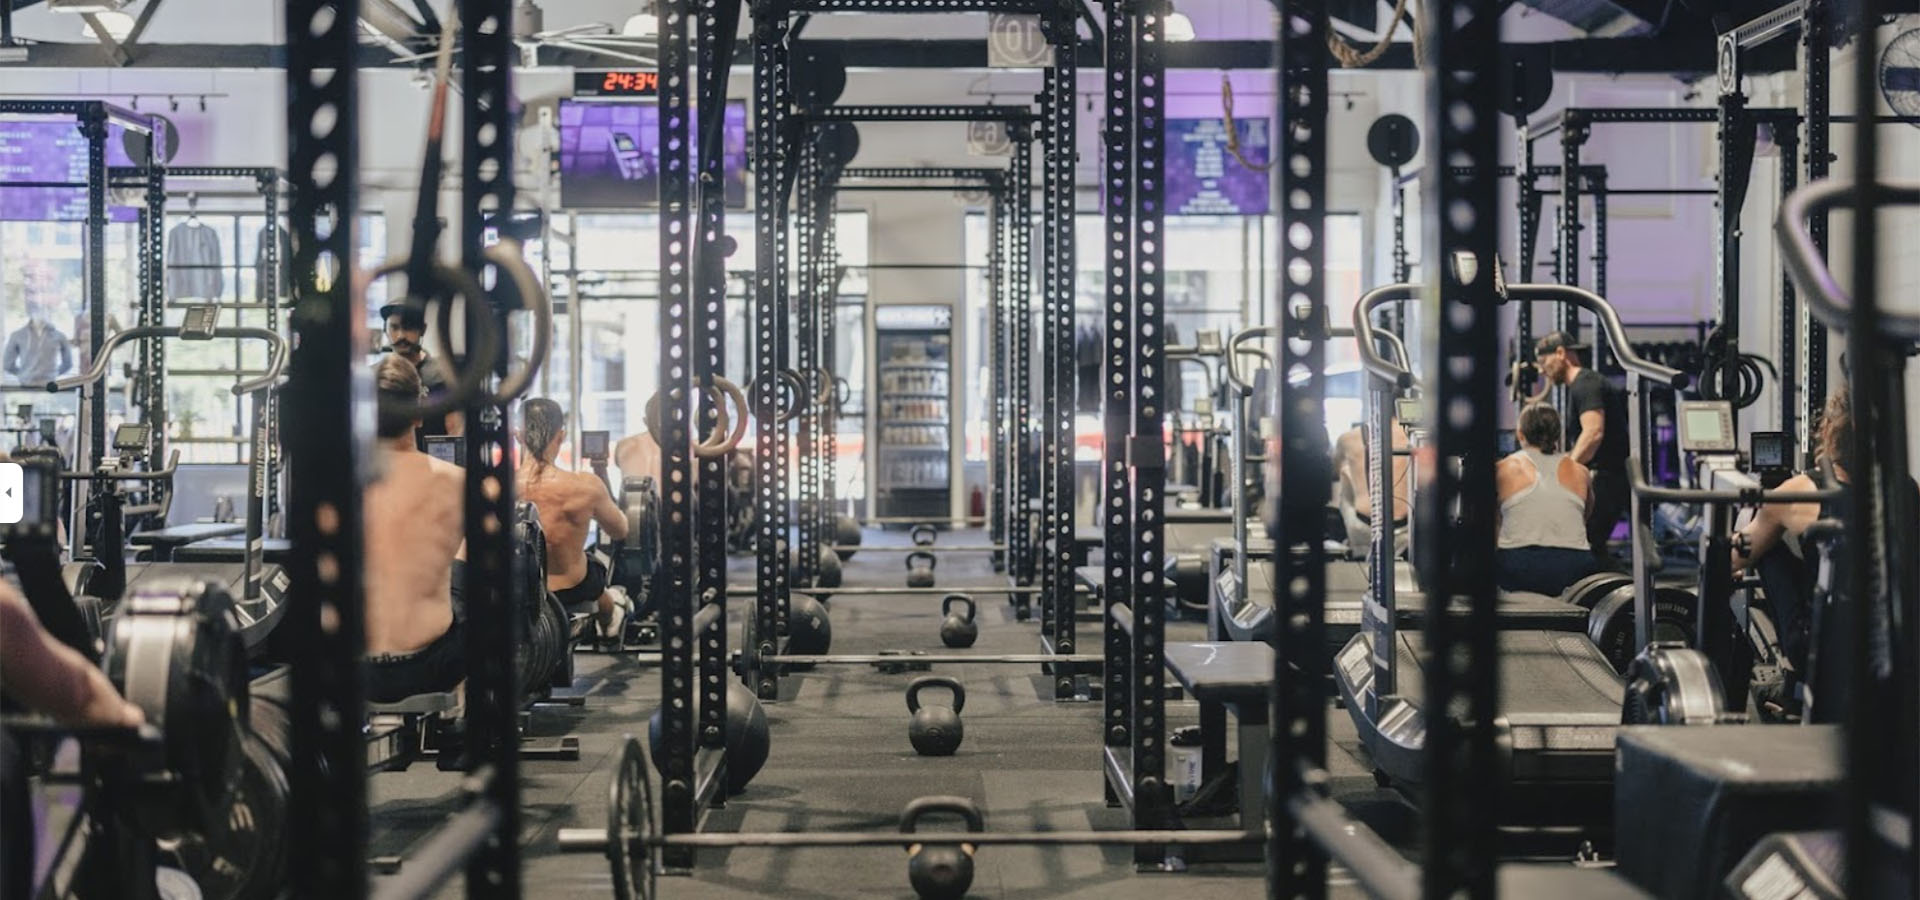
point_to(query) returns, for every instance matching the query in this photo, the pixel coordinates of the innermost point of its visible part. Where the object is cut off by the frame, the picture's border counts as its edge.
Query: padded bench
(234, 549)
(394, 732)
(1233, 676)
(160, 543)
(1690, 803)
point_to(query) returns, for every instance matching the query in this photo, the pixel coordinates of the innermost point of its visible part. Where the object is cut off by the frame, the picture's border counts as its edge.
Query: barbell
(631, 837)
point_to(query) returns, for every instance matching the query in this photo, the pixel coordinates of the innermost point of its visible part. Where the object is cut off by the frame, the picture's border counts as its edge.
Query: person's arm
(1593, 427)
(13, 353)
(1768, 526)
(51, 677)
(1580, 482)
(66, 355)
(613, 522)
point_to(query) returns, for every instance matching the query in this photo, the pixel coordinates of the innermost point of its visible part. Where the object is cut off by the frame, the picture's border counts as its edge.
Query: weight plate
(630, 834)
(1392, 140)
(1610, 623)
(1587, 592)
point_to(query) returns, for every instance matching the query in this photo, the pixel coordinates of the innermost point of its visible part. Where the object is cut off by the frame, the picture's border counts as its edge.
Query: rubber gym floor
(840, 761)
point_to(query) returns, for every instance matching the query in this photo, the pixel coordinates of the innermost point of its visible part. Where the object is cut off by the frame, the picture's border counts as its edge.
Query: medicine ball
(748, 742)
(809, 631)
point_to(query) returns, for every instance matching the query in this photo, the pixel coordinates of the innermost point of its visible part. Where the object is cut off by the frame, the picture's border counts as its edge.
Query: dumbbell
(920, 565)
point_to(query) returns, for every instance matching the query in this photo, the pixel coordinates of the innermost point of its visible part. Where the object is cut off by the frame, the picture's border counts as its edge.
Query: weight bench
(160, 543)
(1230, 677)
(234, 549)
(397, 732)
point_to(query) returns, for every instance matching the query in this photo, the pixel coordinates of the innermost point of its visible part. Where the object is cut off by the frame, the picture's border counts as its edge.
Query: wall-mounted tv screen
(610, 154)
(1203, 178)
(47, 151)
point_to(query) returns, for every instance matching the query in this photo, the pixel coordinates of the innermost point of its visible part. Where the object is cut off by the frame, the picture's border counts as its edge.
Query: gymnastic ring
(507, 256)
(796, 392)
(466, 383)
(727, 389)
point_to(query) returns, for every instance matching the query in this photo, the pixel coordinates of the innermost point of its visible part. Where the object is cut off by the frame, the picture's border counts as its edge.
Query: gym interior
(959, 448)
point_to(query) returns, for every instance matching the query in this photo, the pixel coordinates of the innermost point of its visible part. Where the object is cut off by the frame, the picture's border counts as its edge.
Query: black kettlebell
(920, 565)
(922, 535)
(846, 533)
(958, 630)
(940, 871)
(935, 730)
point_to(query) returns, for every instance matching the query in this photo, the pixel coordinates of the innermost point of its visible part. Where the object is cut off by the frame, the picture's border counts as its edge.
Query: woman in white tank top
(1542, 546)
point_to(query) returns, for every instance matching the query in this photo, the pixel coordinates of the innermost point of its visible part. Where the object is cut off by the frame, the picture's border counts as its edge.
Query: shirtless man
(638, 455)
(413, 520)
(1350, 456)
(568, 502)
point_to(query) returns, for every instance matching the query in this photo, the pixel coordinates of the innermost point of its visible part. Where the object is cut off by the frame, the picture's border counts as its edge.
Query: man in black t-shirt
(406, 329)
(1596, 417)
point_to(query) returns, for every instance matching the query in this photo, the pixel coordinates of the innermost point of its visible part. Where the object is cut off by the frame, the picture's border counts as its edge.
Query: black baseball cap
(1554, 340)
(409, 317)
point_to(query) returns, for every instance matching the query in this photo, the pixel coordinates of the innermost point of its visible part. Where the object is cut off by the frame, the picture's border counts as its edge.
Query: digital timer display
(616, 84)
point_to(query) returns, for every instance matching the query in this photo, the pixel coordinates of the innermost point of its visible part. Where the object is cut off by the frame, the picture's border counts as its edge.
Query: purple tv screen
(1204, 179)
(610, 154)
(52, 150)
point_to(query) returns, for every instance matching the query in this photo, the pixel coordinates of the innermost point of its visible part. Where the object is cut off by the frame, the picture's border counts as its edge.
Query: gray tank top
(1544, 514)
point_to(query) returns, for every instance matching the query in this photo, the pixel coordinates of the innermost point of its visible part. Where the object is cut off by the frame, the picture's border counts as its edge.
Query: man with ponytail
(568, 503)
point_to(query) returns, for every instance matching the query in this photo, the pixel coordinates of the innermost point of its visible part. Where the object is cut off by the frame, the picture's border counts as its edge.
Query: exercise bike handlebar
(1637, 478)
(121, 338)
(173, 463)
(1233, 356)
(1368, 337)
(1829, 302)
(1609, 320)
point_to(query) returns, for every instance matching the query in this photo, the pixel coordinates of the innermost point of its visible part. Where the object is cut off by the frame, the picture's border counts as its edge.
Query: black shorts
(433, 669)
(585, 596)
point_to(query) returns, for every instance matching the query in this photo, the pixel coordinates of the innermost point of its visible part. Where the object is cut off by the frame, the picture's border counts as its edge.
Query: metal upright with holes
(327, 595)
(716, 23)
(1460, 834)
(770, 151)
(1114, 509)
(1296, 865)
(686, 778)
(1060, 116)
(1023, 477)
(493, 628)
(806, 230)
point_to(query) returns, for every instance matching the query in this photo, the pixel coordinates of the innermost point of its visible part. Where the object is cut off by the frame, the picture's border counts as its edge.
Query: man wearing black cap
(1596, 417)
(405, 330)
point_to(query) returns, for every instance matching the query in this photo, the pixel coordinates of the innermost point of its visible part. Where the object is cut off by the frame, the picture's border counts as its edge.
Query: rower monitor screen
(1771, 451)
(200, 321)
(1408, 411)
(593, 444)
(132, 436)
(29, 499)
(1706, 426)
(447, 448)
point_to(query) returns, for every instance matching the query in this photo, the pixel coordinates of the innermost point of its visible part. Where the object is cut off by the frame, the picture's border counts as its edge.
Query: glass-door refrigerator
(914, 410)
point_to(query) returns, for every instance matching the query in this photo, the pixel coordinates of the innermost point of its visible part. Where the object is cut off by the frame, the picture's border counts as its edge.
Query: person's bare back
(638, 456)
(414, 526)
(569, 502)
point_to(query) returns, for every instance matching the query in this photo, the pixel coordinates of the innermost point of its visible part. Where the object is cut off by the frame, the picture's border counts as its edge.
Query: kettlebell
(922, 535)
(846, 533)
(920, 565)
(940, 871)
(935, 730)
(958, 630)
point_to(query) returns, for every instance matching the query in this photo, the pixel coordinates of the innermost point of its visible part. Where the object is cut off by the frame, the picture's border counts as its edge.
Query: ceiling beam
(1659, 55)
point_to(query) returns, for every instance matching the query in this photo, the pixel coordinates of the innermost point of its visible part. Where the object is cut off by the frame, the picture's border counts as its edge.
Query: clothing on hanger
(282, 282)
(193, 262)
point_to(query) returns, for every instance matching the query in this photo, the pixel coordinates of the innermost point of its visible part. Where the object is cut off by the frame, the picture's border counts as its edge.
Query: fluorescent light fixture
(1179, 28)
(645, 24)
(117, 25)
(82, 7)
